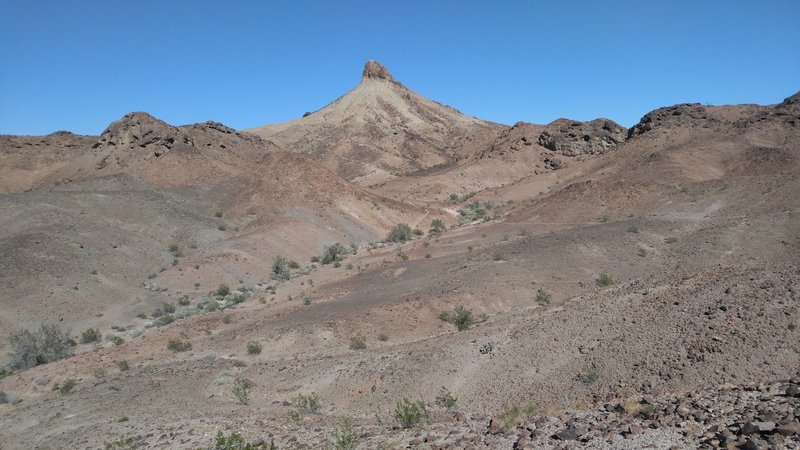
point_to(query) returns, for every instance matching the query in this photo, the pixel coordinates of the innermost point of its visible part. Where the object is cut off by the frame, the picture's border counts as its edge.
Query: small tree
(332, 253)
(410, 413)
(280, 268)
(605, 279)
(400, 233)
(49, 343)
(241, 389)
(461, 317)
(437, 226)
(223, 290)
(344, 437)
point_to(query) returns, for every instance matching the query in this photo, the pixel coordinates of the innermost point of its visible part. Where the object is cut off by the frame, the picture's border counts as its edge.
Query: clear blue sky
(78, 65)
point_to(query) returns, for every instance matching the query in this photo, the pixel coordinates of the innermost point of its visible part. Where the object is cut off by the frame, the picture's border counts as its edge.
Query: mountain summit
(374, 69)
(379, 130)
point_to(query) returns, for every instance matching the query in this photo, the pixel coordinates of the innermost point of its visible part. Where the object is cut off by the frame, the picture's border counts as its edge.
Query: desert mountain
(590, 286)
(379, 130)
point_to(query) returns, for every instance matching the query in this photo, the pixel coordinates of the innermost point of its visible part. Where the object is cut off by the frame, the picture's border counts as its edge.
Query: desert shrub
(437, 226)
(223, 290)
(218, 214)
(212, 306)
(358, 343)
(649, 410)
(253, 348)
(343, 436)
(543, 297)
(400, 233)
(47, 344)
(462, 198)
(332, 253)
(184, 300)
(293, 264)
(315, 259)
(176, 345)
(486, 348)
(605, 279)
(604, 218)
(671, 240)
(175, 250)
(461, 317)
(117, 340)
(446, 400)
(304, 404)
(226, 319)
(66, 387)
(410, 413)
(236, 442)
(642, 252)
(123, 366)
(100, 373)
(472, 212)
(589, 376)
(308, 404)
(122, 444)
(418, 232)
(164, 320)
(512, 417)
(221, 227)
(168, 308)
(633, 229)
(280, 268)
(383, 337)
(241, 390)
(499, 256)
(90, 335)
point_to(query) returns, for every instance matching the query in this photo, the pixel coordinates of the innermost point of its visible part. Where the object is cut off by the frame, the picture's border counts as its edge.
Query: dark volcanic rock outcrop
(572, 138)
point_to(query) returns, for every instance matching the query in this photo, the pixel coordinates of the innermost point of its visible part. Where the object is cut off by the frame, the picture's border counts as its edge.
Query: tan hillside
(379, 130)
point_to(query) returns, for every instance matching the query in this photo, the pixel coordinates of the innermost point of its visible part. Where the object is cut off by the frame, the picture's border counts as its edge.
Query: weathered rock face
(572, 138)
(683, 115)
(374, 69)
(139, 129)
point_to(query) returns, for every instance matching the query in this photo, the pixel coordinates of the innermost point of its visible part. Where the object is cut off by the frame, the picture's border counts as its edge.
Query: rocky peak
(374, 69)
(572, 138)
(140, 129)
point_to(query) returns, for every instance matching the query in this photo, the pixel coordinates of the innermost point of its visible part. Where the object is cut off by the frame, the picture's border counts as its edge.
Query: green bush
(123, 366)
(184, 300)
(90, 335)
(543, 297)
(168, 308)
(117, 340)
(437, 226)
(66, 387)
(472, 212)
(511, 418)
(223, 290)
(241, 390)
(446, 400)
(176, 345)
(410, 413)
(164, 320)
(332, 253)
(308, 404)
(605, 279)
(358, 343)
(175, 250)
(253, 348)
(280, 268)
(47, 344)
(461, 317)
(400, 233)
(344, 437)
(236, 442)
